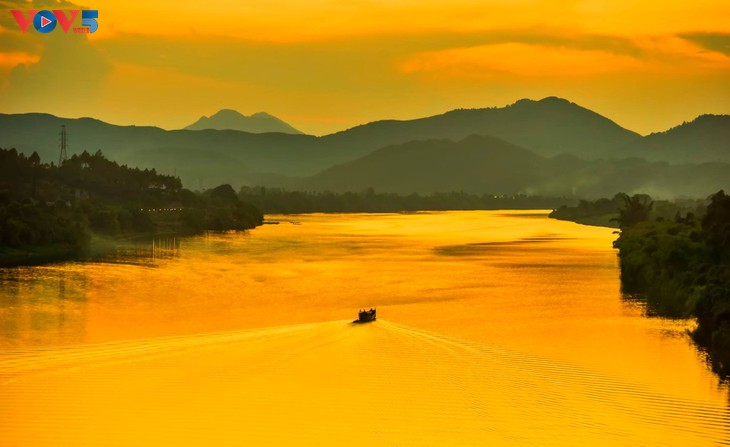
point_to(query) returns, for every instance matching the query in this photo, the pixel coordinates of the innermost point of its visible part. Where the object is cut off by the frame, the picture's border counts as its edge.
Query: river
(494, 328)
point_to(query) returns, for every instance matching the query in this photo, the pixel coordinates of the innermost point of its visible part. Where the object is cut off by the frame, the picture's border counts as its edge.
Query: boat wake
(332, 383)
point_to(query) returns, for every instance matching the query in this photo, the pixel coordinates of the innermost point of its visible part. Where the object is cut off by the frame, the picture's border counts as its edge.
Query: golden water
(494, 328)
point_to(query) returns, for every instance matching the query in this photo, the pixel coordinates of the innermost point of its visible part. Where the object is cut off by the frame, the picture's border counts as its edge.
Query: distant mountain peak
(229, 119)
(548, 100)
(554, 100)
(227, 112)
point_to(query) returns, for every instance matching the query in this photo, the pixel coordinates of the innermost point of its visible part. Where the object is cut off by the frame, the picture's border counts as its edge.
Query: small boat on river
(365, 316)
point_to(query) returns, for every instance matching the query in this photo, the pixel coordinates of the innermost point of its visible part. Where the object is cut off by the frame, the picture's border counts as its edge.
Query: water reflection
(143, 252)
(40, 306)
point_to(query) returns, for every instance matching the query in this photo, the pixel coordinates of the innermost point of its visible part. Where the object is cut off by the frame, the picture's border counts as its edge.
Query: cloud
(334, 63)
(302, 66)
(518, 59)
(48, 69)
(719, 42)
(563, 55)
(15, 58)
(12, 39)
(69, 70)
(367, 69)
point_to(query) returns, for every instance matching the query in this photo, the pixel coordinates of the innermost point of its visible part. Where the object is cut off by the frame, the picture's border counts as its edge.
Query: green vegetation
(274, 200)
(49, 212)
(681, 267)
(626, 209)
(602, 212)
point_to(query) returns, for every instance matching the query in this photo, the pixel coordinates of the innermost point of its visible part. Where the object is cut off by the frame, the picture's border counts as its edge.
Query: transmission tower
(64, 156)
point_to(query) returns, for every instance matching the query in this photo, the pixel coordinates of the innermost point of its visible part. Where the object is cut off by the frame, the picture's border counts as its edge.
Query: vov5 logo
(46, 21)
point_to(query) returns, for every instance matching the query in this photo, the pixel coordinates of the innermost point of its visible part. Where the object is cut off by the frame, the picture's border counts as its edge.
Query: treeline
(220, 209)
(49, 212)
(605, 212)
(281, 201)
(681, 266)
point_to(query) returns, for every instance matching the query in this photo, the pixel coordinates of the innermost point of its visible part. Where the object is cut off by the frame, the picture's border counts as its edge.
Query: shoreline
(98, 246)
(601, 220)
(37, 255)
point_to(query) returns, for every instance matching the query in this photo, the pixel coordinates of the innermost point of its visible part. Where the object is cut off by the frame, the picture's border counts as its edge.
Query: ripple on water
(332, 383)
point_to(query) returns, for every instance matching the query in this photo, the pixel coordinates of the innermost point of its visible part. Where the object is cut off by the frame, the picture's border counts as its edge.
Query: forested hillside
(49, 211)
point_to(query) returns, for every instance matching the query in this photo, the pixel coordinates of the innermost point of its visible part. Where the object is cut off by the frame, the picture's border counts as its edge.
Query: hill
(205, 157)
(548, 127)
(483, 164)
(705, 139)
(475, 164)
(227, 119)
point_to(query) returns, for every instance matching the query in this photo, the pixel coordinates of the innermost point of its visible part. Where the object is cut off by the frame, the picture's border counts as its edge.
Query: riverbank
(681, 268)
(98, 246)
(280, 201)
(37, 255)
(601, 220)
(675, 257)
(51, 213)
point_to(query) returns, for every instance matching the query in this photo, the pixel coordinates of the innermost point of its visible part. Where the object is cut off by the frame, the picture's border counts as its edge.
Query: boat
(365, 316)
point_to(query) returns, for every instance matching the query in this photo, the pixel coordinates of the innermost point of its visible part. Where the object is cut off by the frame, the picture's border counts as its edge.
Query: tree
(224, 193)
(636, 209)
(716, 226)
(34, 159)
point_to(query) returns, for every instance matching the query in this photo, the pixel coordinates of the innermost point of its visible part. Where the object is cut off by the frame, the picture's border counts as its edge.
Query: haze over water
(494, 328)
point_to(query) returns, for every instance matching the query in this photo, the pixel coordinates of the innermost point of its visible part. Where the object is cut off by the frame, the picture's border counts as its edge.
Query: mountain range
(529, 146)
(481, 164)
(227, 119)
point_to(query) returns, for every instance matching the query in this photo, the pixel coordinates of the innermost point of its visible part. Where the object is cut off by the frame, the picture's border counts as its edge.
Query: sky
(327, 65)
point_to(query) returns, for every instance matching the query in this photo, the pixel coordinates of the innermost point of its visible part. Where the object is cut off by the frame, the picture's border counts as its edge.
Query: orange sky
(326, 65)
